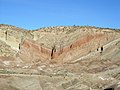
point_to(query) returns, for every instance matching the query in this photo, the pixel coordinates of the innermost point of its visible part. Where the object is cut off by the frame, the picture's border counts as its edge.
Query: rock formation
(65, 57)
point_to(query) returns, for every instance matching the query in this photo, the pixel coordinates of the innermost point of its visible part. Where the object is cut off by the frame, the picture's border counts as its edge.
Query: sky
(33, 14)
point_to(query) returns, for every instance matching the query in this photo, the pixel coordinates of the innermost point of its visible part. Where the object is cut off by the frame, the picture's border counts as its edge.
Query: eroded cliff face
(60, 45)
(56, 43)
(71, 52)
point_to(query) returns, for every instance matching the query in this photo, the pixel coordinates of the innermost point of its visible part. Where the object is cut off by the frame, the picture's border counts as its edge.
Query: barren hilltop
(59, 58)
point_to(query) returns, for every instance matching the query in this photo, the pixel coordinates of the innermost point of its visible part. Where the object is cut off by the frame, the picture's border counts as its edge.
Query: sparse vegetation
(59, 58)
(7, 72)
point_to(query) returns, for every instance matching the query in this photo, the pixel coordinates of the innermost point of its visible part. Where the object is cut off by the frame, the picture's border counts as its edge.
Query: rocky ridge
(69, 53)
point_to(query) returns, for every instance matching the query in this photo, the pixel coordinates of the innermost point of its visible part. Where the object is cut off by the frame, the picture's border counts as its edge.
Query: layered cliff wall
(63, 43)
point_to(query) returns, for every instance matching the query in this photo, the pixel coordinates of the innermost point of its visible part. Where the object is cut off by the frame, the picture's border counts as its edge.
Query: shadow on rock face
(109, 89)
(113, 87)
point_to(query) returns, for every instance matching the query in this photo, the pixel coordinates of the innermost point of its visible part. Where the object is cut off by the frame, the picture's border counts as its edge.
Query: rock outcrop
(62, 57)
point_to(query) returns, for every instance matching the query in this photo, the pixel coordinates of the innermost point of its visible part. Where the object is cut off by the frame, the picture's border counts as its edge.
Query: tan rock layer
(38, 49)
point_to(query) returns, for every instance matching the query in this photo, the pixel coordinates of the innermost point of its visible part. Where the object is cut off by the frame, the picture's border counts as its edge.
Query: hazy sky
(33, 14)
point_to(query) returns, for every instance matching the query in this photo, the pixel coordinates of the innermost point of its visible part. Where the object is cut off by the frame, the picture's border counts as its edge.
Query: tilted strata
(52, 42)
(59, 58)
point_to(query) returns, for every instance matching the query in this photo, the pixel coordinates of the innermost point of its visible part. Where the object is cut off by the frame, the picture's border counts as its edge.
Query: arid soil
(59, 58)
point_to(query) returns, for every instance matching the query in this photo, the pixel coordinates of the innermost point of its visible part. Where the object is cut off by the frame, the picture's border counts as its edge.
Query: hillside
(59, 58)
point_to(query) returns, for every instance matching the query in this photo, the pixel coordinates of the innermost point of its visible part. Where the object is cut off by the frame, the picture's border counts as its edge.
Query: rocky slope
(59, 58)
